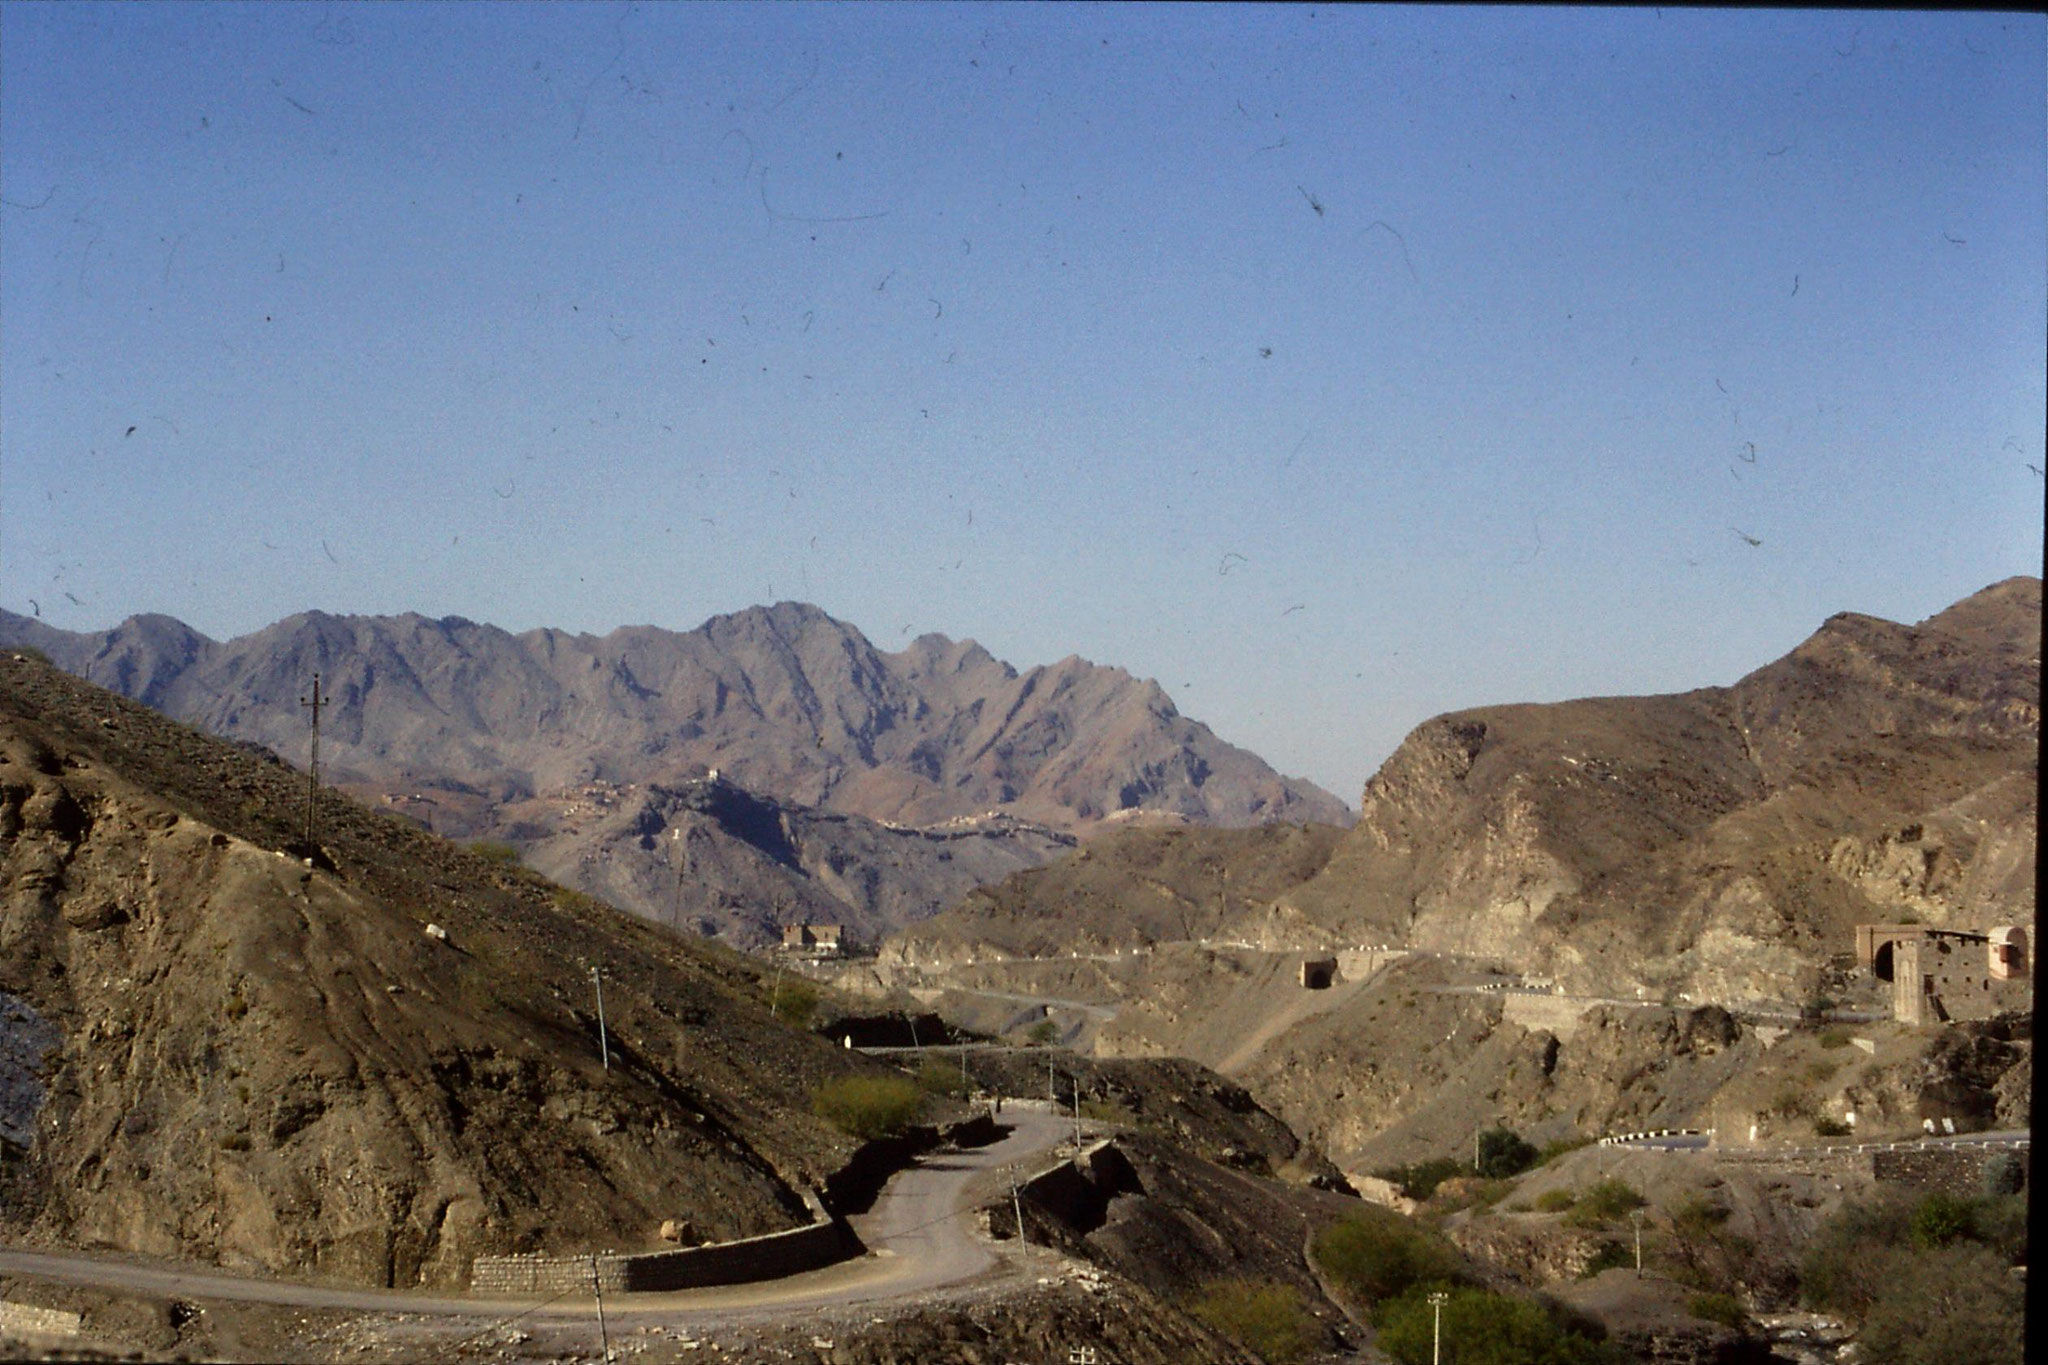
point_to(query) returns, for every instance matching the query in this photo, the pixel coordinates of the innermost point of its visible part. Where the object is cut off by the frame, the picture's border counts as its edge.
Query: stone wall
(1556, 1014)
(769, 1256)
(1940, 975)
(1831, 1163)
(1067, 1201)
(1951, 1168)
(1942, 1168)
(1355, 964)
(24, 1319)
(538, 1274)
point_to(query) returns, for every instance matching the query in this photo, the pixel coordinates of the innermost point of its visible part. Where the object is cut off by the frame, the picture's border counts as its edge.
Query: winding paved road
(917, 1236)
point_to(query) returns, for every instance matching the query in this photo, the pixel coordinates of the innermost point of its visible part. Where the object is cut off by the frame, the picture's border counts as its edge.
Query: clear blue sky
(1335, 367)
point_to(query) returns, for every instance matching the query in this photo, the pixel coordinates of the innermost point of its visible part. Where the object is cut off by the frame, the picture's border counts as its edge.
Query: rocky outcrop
(1720, 843)
(366, 1061)
(709, 857)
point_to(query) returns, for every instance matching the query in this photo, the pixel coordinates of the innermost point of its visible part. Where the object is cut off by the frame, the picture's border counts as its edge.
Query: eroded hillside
(1719, 844)
(372, 1067)
(709, 857)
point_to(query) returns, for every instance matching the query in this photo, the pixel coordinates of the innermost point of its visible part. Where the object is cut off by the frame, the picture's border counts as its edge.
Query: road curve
(917, 1236)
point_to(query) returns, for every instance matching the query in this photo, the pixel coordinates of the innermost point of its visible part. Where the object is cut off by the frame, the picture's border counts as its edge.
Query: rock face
(1660, 861)
(1721, 843)
(1717, 845)
(783, 700)
(709, 857)
(1133, 886)
(903, 779)
(212, 1049)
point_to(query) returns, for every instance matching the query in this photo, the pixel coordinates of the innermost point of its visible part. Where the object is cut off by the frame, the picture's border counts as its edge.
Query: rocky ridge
(783, 700)
(367, 1059)
(1719, 844)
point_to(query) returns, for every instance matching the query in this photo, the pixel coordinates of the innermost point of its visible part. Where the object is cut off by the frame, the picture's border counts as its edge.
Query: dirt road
(917, 1235)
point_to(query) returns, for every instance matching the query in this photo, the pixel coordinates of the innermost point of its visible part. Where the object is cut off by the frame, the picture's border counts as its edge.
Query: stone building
(1940, 975)
(814, 940)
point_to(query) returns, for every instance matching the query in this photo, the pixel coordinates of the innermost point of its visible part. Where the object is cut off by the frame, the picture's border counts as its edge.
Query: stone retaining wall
(1830, 1163)
(24, 1319)
(766, 1257)
(1560, 1015)
(1069, 1199)
(823, 1241)
(1948, 1170)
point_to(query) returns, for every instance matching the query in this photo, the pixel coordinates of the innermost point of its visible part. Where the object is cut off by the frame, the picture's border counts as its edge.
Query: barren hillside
(371, 1068)
(1721, 843)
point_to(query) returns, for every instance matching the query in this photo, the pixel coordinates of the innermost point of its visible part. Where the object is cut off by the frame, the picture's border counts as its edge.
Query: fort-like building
(1939, 975)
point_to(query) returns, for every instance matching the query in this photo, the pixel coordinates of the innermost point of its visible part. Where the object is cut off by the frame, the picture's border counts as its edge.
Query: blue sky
(1334, 367)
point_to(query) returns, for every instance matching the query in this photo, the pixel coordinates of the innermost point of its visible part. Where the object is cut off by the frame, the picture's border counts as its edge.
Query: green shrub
(495, 851)
(1418, 1180)
(1700, 1250)
(1834, 1036)
(1491, 1192)
(1503, 1153)
(1698, 1216)
(1042, 1033)
(1269, 1319)
(936, 1076)
(794, 1000)
(1793, 1103)
(1480, 1328)
(1926, 1278)
(1725, 1309)
(577, 902)
(2004, 1174)
(235, 1142)
(31, 652)
(1945, 1307)
(1841, 1272)
(868, 1107)
(1827, 1127)
(1108, 1111)
(1378, 1254)
(2000, 1222)
(1608, 1256)
(1603, 1203)
(1556, 1201)
(1941, 1219)
(1558, 1147)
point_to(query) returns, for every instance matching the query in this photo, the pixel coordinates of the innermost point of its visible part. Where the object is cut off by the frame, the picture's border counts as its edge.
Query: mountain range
(783, 700)
(568, 746)
(1721, 843)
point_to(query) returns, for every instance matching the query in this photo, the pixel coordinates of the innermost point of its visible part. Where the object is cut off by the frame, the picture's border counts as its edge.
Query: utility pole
(1436, 1346)
(603, 1048)
(1636, 1216)
(1077, 1111)
(314, 703)
(1017, 1204)
(597, 1287)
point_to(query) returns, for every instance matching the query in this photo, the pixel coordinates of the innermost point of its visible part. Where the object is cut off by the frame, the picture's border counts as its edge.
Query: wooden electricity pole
(314, 703)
